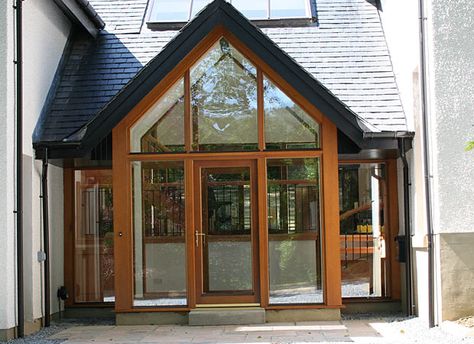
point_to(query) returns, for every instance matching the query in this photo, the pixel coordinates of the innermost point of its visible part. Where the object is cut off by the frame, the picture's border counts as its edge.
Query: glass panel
(224, 101)
(94, 237)
(159, 234)
(252, 9)
(198, 5)
(161, 128)
(362, 195)
(287, 126)
(170, 10)
(288, 9)
(227, 241)
(294, 245)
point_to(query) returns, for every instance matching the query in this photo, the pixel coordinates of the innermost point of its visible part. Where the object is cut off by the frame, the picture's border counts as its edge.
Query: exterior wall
(7, 224)
(42, 54)
(45, 30)
(451, 71)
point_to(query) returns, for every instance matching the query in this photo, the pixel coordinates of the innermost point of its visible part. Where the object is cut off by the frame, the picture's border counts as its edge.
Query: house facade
(218, 158)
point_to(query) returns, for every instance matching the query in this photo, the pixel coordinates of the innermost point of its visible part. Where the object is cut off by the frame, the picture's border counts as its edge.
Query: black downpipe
(19, 168)
(427, 174)
(47, 287)
(406, 216)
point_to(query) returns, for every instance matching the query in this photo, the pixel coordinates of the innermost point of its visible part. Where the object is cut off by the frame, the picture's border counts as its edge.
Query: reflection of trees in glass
(224, 100)
(287, 125)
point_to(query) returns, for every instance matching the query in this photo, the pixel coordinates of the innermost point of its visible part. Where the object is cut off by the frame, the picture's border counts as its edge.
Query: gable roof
(349, 57)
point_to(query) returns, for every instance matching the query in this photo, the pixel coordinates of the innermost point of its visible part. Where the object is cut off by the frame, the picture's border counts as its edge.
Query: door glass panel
(224, 101)
(94, 237)
(226, 229)
(287, 125)
(159, 234)
(161, 128)
(294, 231)
(362, 196)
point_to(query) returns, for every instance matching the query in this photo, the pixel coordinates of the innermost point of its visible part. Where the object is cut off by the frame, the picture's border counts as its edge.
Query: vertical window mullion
(268, 9)
(260, 111)
(187, 112)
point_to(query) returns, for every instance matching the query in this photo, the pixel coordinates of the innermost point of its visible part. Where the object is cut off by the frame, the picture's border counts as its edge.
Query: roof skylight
(181, 11)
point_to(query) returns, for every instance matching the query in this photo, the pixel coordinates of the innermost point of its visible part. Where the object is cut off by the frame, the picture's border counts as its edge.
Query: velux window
(181, 11)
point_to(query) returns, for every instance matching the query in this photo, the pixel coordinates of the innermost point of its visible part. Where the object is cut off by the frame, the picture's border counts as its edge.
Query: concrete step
(226, 316)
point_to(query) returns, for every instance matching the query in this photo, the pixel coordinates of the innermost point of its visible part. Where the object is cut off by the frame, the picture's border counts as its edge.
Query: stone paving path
(354, 331)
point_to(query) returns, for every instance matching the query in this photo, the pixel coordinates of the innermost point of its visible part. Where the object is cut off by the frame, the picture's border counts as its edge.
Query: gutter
(47, 274)
(427, 170)
(406, 215)
(388, 135)
(19, 166)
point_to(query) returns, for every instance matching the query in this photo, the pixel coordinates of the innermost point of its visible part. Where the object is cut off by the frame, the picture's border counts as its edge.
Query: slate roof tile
(346, 51)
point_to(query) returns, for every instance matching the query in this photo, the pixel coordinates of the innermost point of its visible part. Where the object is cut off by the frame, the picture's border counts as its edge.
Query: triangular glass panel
(287, 125)
(224, 101)
(161, 128)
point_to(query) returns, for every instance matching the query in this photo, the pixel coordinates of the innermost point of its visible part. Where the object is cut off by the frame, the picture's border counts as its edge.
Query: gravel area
(42, 336)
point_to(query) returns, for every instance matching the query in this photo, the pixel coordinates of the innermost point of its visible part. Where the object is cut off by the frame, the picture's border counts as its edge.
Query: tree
(470, 146)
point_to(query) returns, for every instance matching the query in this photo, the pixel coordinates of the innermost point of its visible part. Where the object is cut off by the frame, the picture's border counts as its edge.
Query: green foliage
(470, 146)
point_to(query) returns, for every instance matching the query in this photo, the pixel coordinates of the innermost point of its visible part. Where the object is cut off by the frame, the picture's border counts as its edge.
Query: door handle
(197, 235)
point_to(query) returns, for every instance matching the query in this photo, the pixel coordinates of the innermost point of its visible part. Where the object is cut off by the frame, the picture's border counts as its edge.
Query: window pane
(224, 101)
(159, 234)
(226, 221)
(198, 5)
(288, 9)
(252, 9)
(362, 198)
(294, 231)
(287, 126)
(94, 237)
(170, 10)
(161, 128)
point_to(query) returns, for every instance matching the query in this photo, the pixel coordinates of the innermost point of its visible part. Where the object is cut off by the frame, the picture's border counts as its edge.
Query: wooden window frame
(122, 160)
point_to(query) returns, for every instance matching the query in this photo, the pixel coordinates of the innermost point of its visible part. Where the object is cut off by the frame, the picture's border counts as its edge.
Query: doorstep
(226, 316)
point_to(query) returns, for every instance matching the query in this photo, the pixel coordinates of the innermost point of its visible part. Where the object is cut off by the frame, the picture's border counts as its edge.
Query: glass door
(225, 236)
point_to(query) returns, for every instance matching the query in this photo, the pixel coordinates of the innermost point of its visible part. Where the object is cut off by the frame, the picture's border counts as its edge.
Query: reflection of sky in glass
(170, 10)
(198, 5)
(288, 9)
(178, 10)
(252, 8)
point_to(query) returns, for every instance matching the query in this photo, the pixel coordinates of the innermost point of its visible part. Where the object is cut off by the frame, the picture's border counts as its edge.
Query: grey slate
(346, 51)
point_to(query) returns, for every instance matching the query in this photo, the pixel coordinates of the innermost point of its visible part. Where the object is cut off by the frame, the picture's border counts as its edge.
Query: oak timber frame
(122, 194)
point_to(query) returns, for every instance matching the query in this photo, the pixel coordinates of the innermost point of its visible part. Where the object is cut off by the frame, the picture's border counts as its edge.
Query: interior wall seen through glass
(363, 237)
(294, 231)
(224, 101)
(93, 237)
(159, 234)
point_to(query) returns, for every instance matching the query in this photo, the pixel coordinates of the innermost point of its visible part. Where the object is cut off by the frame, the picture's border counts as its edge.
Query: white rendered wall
(451, 90)
(45, 33)
(400, 25)
(7, 168)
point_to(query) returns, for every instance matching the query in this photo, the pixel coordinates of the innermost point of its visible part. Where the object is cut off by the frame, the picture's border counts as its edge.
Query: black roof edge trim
(184, 42)
(82, 14)
(91, 13)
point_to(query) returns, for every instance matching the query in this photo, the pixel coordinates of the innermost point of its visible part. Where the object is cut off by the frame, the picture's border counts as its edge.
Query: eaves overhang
(83, 14)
